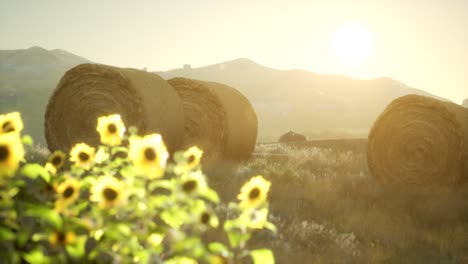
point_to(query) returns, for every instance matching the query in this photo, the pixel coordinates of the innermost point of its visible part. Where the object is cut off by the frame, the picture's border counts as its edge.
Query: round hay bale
(89, 91)
(420, 141)
(218, 119)
(292, 136)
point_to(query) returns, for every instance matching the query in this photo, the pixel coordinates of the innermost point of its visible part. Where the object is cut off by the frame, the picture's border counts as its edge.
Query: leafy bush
(121, 202)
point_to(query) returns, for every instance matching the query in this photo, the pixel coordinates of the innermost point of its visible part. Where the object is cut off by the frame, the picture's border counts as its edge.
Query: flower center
(189, 185)
(254, 193)
(61, 237)
(68, 192)
(4, 153)
(150, 154)
(111, 128)
(110, 194)
(8, 127)
(83, 156)
(205, 218)
(191, 159)
(56, 161)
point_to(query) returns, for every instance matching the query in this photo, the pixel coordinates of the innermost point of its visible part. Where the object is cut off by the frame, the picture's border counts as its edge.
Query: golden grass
(329, 210)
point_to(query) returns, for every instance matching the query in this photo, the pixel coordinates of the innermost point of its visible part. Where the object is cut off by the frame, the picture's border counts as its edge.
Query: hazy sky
(423, 43)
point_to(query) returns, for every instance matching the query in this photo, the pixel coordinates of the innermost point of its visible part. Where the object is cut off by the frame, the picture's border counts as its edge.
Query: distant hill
(465, 103)
(317, 105)
(27, 79)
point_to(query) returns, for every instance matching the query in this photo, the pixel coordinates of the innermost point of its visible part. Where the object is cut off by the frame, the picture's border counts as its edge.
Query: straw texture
(89, 91)
(419, 140)
(218, 119)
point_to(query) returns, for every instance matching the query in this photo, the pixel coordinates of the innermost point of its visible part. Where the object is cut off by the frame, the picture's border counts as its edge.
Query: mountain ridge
(27, 79)
(318, 105)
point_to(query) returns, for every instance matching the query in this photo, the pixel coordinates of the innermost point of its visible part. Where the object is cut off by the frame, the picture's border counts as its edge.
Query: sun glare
(352, 44)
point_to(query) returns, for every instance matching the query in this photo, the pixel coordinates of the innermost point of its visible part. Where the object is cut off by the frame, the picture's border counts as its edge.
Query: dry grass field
(328, 209)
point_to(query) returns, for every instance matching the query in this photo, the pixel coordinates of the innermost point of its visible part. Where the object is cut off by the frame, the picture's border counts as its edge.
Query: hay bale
(292, 136)
(420, 141)
(218, 119)
(89, 91)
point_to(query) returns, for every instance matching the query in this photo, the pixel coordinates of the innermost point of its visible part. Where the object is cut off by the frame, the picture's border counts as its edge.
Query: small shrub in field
(119, 204)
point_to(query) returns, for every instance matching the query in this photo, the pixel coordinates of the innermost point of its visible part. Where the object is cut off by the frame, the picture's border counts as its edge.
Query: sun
(352, 44)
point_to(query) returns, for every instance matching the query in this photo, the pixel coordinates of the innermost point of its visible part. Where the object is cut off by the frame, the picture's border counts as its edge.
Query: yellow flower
(149, 155)
(67, 192)
(59, 238)
(108, 192)
(111, 129)
(254, 192)
(82, 155)
(11, 122)
(55, 162)
(11, 153)
(193, 182)
(188, 160)
(217, 259)
(208, 219)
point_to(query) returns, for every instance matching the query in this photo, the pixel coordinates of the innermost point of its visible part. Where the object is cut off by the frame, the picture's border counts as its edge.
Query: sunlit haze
(353, 44)
(422, 43)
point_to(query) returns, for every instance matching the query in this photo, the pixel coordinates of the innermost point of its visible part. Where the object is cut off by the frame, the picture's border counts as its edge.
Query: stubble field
(328, 209)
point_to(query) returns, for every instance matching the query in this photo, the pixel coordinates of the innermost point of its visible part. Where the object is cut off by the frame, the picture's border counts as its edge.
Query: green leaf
(165, 184)
(27, 140)
(46, 214)
(12, 192)
(36, 257)
(238, 239)
(218, 248)
(231, 224)
(173, 218)
(133, 130)
(124, 229)
(142, 256)
(6, 234)
(127, 172)
(34, 170)
(77, 250)
(262, 256)
(210, 194)
(22, 238)
(271, 227)
(158, 201)
(81, 206)
(180, 260)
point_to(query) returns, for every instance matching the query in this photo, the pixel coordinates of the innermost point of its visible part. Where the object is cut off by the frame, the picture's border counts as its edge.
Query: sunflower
(111, 129)
(149, 155)
(108, 192)
(188, 160)
(208, 219)
(82, 155)
(193, 182)
(254, 192)
(217, 259)
(55, 162)
(67, 192)
(60, 238)
(11, 122)
(11, 153)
